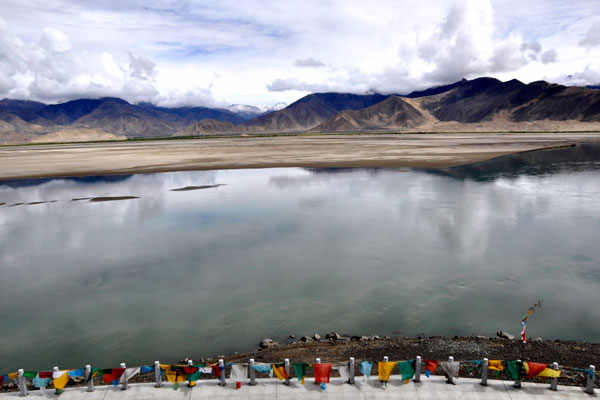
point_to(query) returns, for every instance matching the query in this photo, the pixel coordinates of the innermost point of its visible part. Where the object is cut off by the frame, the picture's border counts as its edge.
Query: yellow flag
(60, 379)
(13, 376)
(175, 376)
(385, 370)
(550, 373)
(280, 372)
(495, 365)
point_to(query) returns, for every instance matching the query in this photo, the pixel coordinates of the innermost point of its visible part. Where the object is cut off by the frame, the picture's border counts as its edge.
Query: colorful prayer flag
(76, 372)
(300, 371)
(384, 370)
(41, 382)
(533, 369)
(407, 370)
(524, 320)
(262, 368)
(144, 369)
(514, 369)
(430, 366)
(322, 372)
(496, 365)
(60, 379)
(280, 372)
(111, 375)
(365, 368)
(550, 373)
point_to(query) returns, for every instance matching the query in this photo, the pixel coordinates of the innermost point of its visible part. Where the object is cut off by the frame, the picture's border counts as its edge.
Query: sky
(216, 53)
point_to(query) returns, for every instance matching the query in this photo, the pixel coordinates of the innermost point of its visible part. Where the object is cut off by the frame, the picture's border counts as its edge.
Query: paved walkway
(433, 388)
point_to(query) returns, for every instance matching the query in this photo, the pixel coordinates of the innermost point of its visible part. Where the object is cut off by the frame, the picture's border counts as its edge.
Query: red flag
(534, 369)
(45, 375)
(322, 373)
(112, 374)
(215, 370)
(430, 366)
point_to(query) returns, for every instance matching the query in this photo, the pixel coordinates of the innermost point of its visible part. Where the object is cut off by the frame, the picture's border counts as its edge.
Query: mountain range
(478, 104)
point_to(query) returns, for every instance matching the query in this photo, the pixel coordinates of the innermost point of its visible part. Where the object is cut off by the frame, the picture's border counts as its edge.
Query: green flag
(407, 369)
(514, 369)
(300, 370)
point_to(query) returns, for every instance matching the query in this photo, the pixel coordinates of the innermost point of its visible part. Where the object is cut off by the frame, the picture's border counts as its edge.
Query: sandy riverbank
(385, 150)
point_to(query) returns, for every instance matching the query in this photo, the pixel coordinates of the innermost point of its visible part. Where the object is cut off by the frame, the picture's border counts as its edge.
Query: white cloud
(308, 62)
(549, 56)
(256, 52)
(591, 38)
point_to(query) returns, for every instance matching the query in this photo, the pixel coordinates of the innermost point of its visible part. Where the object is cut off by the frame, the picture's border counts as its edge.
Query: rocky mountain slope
(478, 104)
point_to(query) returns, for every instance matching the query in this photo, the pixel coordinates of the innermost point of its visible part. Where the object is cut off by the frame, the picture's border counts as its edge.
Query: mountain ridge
(482, 103)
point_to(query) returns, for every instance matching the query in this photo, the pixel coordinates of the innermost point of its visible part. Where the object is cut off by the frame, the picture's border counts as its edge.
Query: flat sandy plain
(372, 150)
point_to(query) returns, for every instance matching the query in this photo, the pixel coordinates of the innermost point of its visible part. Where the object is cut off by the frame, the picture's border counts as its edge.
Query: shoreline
(427, 150)
(571, 355)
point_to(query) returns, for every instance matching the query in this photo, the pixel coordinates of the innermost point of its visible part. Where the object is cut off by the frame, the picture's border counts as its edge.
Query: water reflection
(279, 251)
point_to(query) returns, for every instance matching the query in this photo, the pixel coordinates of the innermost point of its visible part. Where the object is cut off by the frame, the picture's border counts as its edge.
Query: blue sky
(263, 52)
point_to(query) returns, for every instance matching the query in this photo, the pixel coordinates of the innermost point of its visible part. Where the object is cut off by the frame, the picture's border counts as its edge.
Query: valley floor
(369, 150)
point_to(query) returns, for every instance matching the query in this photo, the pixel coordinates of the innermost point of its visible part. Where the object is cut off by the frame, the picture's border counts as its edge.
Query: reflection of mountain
(84, 180)
(537, 162)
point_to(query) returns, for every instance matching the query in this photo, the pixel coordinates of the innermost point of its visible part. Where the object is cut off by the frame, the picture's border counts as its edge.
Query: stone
(266, 343)
(375, 337)
(505, 335)
(364, 338)
(536, 339)
(316, 336)
(306, 339)
(292, 336)
(333, 336)
(422, 336)
(481, 337)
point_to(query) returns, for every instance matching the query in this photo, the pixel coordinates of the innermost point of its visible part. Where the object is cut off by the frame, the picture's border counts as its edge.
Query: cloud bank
(206, 53)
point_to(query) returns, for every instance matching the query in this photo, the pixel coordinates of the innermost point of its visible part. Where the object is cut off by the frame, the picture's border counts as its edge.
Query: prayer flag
(111, 375)
(495, 365)
(130, 372)
(322, 372)
(384, 369)
(40, 382)
(532, 369)
(30, 374)
(300, 371)
(365, 368)
(2, 377)
(144, 369)
(343, 370)
(60, 379)
(76, 372)
(550, 373)
(13, 376)
(280, 371)
(407, 370)
(451, 368)
(514, 369)
(262, 368)
(216, 370)
(239, 372)
(430, 366)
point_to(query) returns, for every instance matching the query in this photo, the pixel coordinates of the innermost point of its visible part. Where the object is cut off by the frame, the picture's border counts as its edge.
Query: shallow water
(277, 251)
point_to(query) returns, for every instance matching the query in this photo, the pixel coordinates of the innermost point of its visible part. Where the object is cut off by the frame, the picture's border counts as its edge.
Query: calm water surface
(279, 251)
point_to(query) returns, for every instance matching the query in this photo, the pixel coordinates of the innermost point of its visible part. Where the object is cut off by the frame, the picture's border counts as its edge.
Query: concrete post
(55, 369)
(190, 363)
(286, 365)
(518, 381)
(124, 385)
(22, 383)
(589, 389)
(450, 379)
(252, 373)
(157, 374)
(484, 372)
(386, 359)
(554, 381)
(351, 370)
(418, 369)
(88, 378)
(222, 370)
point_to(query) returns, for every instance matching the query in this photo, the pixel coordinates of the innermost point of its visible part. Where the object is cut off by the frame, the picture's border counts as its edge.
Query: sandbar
(420, 150)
